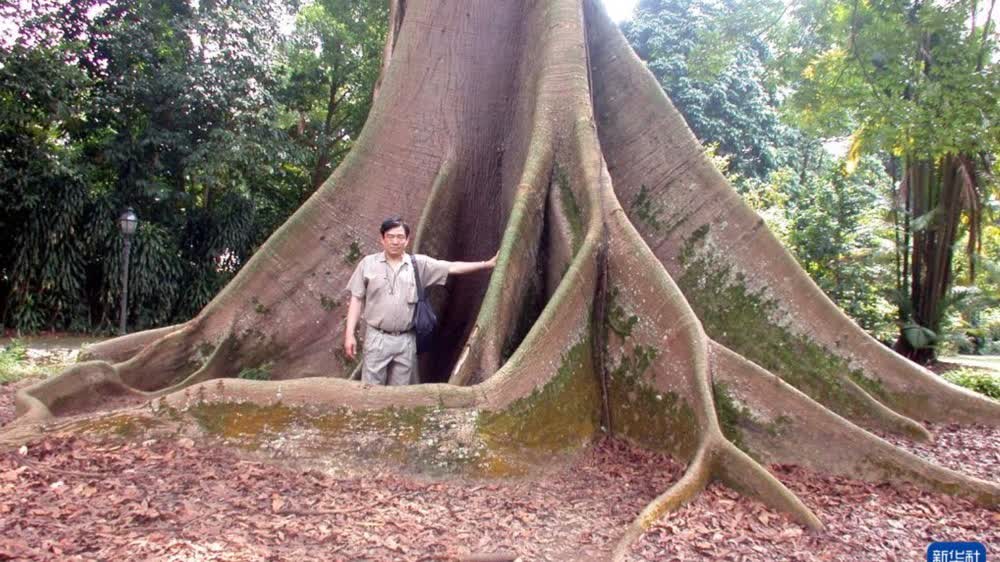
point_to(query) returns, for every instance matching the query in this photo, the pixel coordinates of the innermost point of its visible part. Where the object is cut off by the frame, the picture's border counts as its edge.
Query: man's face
(394, 241)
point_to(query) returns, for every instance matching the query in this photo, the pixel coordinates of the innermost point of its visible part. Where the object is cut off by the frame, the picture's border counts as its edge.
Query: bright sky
(620, 10)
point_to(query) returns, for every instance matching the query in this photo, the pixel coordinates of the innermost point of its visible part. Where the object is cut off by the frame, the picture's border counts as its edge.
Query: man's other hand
(350, 346)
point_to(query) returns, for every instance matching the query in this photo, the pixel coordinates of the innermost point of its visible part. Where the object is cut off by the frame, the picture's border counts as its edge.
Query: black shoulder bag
(424, 319)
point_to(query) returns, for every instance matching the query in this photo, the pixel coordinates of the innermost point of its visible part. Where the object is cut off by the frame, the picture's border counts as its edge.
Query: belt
(399, 333)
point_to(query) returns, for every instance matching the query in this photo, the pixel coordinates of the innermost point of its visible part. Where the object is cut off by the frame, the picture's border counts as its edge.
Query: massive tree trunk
(634, 291)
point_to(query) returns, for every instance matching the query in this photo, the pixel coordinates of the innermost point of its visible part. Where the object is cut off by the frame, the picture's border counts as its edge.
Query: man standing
(383, 285)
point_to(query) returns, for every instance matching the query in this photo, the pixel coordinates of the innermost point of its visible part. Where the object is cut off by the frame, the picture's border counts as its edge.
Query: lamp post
(127, 222)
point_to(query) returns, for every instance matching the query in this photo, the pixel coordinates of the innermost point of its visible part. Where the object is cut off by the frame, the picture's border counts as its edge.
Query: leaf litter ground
(181, 499)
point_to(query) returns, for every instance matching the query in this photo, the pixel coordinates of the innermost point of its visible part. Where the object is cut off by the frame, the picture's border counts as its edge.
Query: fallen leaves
(173, 500)
(884, 522)
(178, 499)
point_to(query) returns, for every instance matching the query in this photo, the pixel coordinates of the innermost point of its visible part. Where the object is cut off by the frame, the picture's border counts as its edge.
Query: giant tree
(634, 289)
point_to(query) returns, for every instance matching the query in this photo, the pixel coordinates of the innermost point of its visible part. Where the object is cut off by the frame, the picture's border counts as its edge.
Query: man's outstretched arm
(462, 267)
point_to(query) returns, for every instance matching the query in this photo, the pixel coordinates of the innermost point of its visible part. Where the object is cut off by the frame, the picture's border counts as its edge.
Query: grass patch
(975, 380)
(258, 373)
(16, 365)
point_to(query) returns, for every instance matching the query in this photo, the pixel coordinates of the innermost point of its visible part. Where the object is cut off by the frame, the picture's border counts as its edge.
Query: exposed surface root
(740, 472)
(123, 348)
(694, 480)
(779, 423)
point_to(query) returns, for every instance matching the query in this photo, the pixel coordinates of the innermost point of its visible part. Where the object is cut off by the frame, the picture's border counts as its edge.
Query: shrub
(976, 380)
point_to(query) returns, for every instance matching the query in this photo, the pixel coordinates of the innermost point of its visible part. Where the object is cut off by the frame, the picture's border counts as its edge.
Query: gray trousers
(389, 359)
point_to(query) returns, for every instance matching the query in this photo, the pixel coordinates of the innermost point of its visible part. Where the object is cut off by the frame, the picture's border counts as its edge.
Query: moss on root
(658, 420)
(647, 210)
(619, 320)
(570, 206)
(563, 413)
(431, 441)
(242, 420)
(743, 321)
(736, 419)
(327, 303)
(353, 253)
(118, 425)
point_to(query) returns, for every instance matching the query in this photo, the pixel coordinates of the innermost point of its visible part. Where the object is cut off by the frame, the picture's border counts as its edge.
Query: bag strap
(416, 277)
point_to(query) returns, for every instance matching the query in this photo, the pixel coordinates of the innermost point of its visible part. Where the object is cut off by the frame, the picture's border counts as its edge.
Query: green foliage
(907, 77)
(976, 380)
(258, 373)
(15, 364)
(915, 82)
(715, 74)
(911, 86)
(12, 357)
(837, 232)
(331, 64)
(186, 112)
(974, 323)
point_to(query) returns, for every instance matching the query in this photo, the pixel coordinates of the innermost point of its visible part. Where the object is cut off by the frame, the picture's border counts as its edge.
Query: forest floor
(200, 499)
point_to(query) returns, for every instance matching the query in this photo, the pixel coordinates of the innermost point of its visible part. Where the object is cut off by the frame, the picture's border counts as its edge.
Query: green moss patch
(647, 210)
(619, 320)
(242, 420)
(563, 413)
(353, 253)
(327, 303)
(258, 373)
(259, 307)
(741, 320)
(570, 206)
(736, 420)
(426, 440)
(119, 425)
(658, 420)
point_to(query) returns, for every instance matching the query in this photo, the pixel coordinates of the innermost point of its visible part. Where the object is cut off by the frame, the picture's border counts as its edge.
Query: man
(383, 285)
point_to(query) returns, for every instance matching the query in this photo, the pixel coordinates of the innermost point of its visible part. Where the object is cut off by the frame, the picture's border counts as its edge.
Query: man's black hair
(391, 223)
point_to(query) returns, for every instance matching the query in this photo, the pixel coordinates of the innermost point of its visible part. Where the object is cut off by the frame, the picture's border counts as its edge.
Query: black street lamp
(127, 222)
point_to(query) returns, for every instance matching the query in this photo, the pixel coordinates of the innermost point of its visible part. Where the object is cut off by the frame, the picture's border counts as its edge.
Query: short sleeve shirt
(391, 296)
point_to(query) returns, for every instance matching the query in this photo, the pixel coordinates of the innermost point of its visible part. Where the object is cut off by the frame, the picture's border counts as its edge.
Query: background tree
(837, 231)
(914, 81)
(332, 63)
(715, 74)
(178, 109)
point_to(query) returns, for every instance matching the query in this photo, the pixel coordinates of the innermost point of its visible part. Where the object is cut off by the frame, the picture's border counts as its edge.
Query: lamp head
(128, 222)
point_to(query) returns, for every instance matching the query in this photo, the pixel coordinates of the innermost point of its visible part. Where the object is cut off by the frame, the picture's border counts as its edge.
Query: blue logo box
(956, 552)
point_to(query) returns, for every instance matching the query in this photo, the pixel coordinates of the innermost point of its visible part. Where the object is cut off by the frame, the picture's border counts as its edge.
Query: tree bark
(633, 285)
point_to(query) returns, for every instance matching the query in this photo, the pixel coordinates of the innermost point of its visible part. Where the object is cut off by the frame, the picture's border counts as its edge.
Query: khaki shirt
(390, 296)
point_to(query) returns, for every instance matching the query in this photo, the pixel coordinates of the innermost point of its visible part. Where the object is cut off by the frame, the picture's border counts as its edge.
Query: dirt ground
(185, 499)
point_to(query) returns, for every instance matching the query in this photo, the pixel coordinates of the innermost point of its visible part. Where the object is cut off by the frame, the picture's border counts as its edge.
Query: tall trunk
(893, 169)
(326, 139)
(934, 188)
(633, 285)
